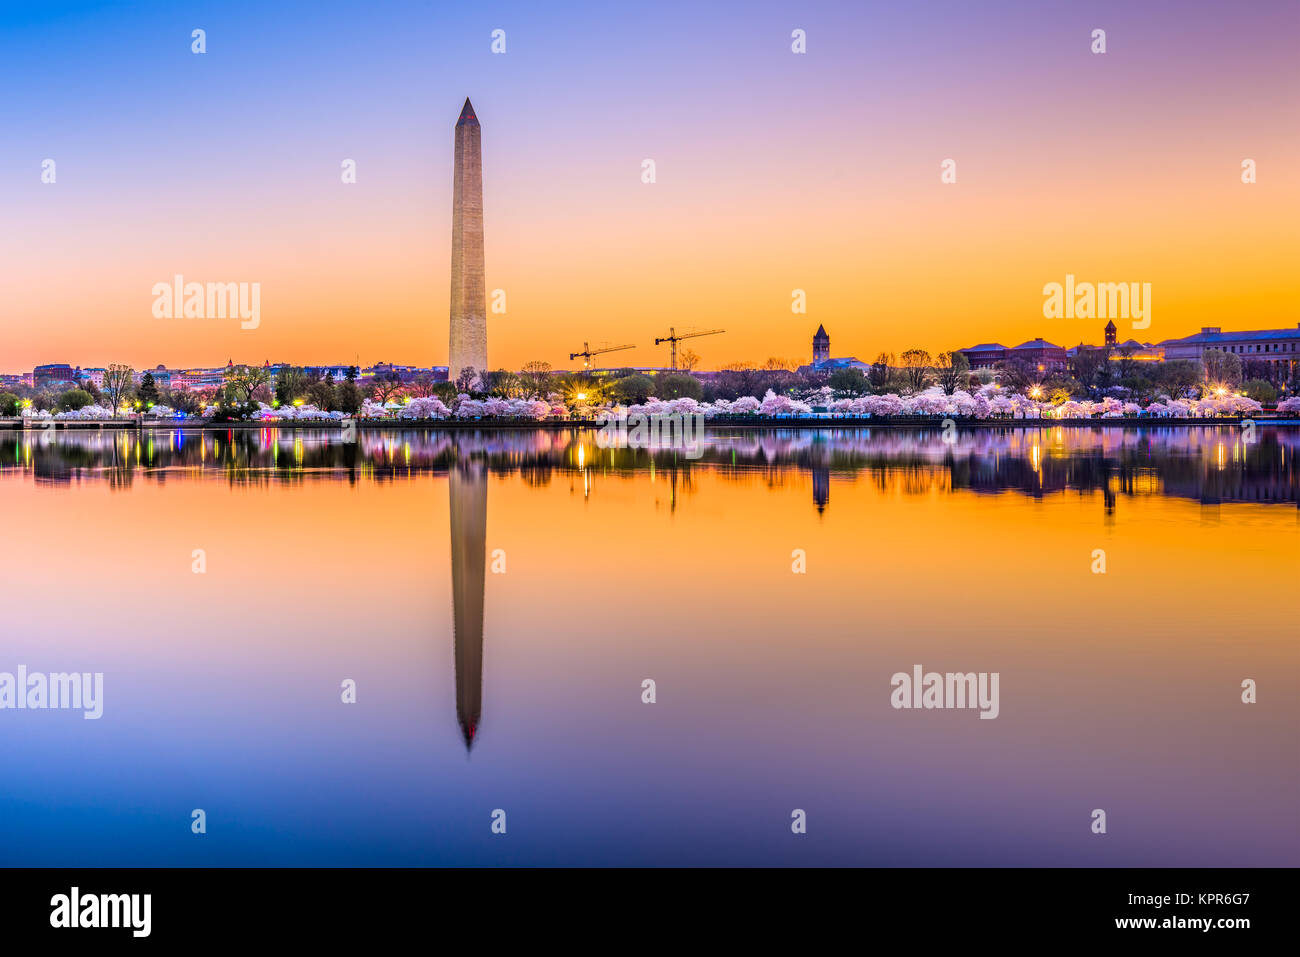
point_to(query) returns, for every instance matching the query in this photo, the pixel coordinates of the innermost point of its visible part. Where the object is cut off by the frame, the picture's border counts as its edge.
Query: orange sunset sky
(775, 172)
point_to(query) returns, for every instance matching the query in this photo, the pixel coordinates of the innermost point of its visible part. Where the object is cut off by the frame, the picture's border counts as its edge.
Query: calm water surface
(499, 597)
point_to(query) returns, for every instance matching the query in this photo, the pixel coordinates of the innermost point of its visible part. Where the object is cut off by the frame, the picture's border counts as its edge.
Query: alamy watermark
(179, 299)
(677, 431)
(1103, 300)
(948, 690)
(36, 691)
(130, 911)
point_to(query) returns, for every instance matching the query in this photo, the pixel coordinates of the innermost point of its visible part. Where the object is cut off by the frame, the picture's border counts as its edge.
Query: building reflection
(467, 497)
(1210, 464)
(821, 482)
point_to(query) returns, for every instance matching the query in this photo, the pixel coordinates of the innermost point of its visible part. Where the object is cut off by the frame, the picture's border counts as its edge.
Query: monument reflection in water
(467, 494)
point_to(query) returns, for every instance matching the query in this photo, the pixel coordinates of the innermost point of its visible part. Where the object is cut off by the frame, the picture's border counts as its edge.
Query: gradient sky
(775, 172)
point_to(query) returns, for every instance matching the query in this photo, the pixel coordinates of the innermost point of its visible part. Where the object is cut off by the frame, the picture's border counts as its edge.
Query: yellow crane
(673, 338)
(587, 352)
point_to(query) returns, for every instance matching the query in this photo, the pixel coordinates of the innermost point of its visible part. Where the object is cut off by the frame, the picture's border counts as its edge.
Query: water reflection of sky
(521, 690)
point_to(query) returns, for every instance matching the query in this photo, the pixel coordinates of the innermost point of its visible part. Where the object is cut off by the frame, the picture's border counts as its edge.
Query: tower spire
(467, 346)
(821, 345)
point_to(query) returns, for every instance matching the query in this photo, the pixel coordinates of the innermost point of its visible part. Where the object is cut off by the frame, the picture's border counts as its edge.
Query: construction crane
(673, 338)
(587, 352)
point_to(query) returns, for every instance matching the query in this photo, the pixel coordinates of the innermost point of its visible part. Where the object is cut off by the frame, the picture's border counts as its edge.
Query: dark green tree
(75, 399)
(633, 389)
(147, 393)
(321, 395)
(347, 397)
(852, 381)
(679, 386)
(1176, 376)
(290, 384)
(1261, 390)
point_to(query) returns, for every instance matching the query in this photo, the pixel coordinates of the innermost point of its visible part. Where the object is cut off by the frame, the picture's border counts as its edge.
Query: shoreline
(901, 423)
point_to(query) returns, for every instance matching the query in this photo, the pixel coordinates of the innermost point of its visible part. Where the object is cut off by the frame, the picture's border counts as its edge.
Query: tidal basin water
(498, 598)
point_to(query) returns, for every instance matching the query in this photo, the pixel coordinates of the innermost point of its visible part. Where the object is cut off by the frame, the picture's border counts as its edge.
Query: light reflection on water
(499, 596)
(1209, 464)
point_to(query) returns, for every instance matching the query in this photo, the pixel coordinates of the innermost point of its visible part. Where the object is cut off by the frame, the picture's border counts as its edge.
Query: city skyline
(1180, 347)
(775, 172)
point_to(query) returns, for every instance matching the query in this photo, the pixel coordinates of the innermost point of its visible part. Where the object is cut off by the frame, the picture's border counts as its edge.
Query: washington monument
(468, 288)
